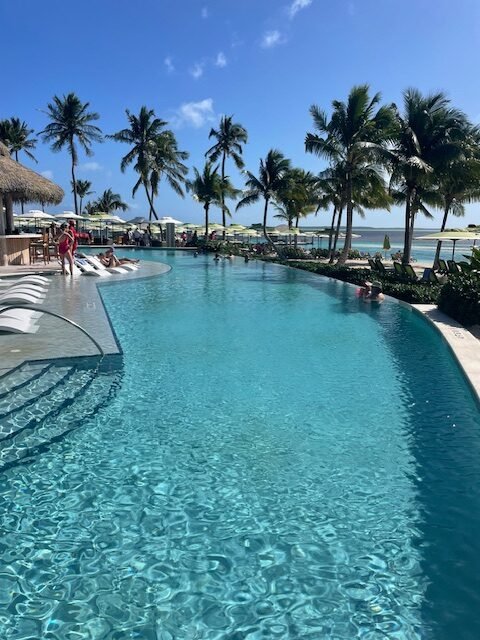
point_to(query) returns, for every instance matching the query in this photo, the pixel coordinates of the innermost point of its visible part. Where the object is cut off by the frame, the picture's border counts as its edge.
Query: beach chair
(399, 270)
(410, 272)
(442, 266)
(21, 297)
(381, 268)
(372, 264)
(429, 275)
(453, 267)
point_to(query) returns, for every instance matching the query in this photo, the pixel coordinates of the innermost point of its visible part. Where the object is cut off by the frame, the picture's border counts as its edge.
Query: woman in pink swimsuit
(65, 245)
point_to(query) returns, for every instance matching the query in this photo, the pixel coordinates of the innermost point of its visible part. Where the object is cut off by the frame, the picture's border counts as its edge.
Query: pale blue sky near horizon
(264, 61)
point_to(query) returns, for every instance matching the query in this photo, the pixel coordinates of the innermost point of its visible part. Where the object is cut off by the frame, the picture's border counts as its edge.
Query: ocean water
(371, 241)
(281, 461)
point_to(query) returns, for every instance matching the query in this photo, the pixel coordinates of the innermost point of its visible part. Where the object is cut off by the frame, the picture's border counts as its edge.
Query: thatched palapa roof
(24, 184)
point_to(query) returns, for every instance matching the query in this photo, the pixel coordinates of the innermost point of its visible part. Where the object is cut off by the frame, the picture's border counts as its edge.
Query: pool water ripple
(270, 468)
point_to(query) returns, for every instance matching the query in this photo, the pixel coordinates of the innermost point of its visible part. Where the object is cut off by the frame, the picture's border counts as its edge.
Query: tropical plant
(355, 136)
(229, 136)
(273, 179)
(71, 124)
(109, 202)
(209, 188)
(155, 154)
(90, 208)
(430, 136)
(83, 190)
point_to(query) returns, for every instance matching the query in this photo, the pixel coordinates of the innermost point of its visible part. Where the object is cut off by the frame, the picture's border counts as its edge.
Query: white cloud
(272, 39)
(298, 5)
(194, 114)
(204, 13)
(197, 70)
(47, 174)
(90, 166)
(221, 60)
(169, 64)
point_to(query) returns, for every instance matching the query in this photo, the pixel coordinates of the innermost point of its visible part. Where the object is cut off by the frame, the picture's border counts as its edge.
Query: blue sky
(265, 61)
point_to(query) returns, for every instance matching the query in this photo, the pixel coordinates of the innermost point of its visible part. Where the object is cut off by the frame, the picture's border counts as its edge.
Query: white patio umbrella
(165, 219)
(35, 214)
(454, 236)
(69, 215)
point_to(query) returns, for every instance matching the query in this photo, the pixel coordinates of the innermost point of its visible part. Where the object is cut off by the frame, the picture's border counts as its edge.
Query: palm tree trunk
(331, 257)
(222, 197)
(348, 235)
(332, 230)
(295, 239)
(81, 200)
(74, 184)
(155, 213)
(206, 206)
(406, 241)
(442, 228)
(267, 237)
(9, 213)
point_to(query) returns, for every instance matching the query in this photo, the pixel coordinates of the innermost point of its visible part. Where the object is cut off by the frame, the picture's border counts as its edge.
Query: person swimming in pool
(375, 294)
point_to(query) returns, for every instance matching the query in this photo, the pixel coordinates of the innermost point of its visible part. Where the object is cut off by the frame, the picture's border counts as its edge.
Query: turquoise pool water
(280, 461)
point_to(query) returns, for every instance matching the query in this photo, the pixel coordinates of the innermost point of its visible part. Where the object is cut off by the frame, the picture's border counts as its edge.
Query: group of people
(371, 291)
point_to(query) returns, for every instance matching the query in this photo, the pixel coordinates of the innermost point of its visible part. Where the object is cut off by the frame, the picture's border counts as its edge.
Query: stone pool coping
(79, 299)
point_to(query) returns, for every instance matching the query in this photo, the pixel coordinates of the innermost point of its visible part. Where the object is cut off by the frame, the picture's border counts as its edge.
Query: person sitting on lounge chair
(109, 259)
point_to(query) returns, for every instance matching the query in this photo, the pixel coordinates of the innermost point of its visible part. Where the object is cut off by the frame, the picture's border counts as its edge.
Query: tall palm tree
(430, 136)
(299, 199)
(71, 124)
(109, 202)
(356, 135)
(167, 162)
(229, 139)
(83, 190)
(154, 154)
(273, 178)
(15, 134)
(210, 188)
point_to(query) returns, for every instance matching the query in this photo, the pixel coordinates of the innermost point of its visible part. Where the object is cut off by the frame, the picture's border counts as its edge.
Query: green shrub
(289, 253)
(460, 298)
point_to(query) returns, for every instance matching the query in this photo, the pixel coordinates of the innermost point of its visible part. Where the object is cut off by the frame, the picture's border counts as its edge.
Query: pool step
(21, 376)
(69, 403)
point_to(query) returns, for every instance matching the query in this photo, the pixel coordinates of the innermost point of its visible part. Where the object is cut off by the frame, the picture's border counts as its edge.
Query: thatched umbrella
(18, 183)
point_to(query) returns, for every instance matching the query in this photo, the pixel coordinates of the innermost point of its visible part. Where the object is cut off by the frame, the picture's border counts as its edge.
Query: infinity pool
(280, 461)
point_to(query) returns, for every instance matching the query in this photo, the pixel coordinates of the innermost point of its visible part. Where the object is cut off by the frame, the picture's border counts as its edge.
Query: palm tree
(71, 123)
(15, 134)
(83, 190)
(167, 162)
(354, 136)
(273, 179)
(429, 137)
(109, 202)
(90, 208)
(229, 136)
(299, 199)
(210, 188)
(459, 182)
(154, 154)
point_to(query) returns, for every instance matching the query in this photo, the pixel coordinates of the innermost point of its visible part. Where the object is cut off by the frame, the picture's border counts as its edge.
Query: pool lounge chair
(453, 267)
(17, 325)
(381, 268)
(372, 264)
(399, 270)
(87, 269)
(20, 297)
(410, 272)
(96, 263)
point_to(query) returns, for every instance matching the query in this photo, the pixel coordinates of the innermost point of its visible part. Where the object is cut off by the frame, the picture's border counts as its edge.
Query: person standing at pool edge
(65, 248)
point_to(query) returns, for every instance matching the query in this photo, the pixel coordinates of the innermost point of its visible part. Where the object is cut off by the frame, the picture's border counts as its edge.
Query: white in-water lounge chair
(97, 264)
(34, 291)
(87, 269)
(17, 325)
(20, 297)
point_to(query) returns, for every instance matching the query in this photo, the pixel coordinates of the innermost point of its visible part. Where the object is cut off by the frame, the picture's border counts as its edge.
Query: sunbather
(109, 259)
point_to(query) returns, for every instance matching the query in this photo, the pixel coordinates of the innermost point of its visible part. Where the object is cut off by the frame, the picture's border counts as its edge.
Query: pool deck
(77, 298)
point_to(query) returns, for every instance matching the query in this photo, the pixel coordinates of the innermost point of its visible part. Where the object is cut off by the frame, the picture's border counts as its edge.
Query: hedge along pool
(281, 461)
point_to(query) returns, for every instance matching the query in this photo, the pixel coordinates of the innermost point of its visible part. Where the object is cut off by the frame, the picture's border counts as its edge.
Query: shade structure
(167, 219)
(23, 184)
(35, 214)
(69, 215)
(453, 235)
(138, 220)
